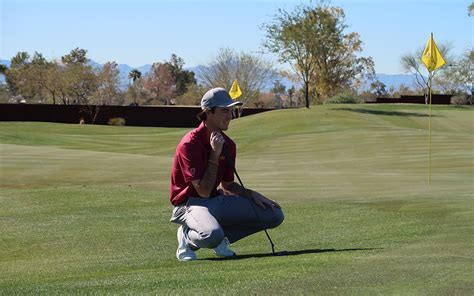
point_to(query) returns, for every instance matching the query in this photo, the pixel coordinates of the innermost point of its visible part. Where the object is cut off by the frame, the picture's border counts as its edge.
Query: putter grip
(228, 159)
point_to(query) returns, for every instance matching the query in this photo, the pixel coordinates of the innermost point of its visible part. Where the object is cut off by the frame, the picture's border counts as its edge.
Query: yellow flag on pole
(431, 57)
(235, 91)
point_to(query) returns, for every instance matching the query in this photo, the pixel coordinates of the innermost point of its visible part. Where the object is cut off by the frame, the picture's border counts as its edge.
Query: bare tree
(252, 72)
(411, 62)
(457, 76)
(108, 83)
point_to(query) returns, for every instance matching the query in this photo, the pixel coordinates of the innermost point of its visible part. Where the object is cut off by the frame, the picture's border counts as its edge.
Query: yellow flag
(235, 91)
(432, 58)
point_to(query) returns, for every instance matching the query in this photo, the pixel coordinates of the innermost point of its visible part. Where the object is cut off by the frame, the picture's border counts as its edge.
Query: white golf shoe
(223, 249)
(184, 253)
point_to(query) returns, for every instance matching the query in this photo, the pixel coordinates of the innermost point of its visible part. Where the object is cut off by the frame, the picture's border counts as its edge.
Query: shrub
(461, 99)
(117, 121)
(344, 98)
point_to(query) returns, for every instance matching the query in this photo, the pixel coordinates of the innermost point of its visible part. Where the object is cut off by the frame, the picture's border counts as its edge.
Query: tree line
(74, 80)
(313, 39)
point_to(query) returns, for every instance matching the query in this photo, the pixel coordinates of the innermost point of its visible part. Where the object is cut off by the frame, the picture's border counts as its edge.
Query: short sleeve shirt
(191, 161)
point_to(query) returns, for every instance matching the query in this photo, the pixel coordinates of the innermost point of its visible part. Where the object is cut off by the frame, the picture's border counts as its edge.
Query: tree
(26, 77)
(378, 88)
(411, 62)
(13, 75)
(136, 92)
(252, 72)
(75, 56)
(159, 84)
(53, 80)
(133, 91)
(79, 81)
(278, 87)
(105, 87)
(457, 76)
(313, 41)
(72, 82)
(3, 69)
(45, 76)
(108, 84)
(182, 78)
(4, 94)
(404, 90)
(291, 92)
(34, 78)
(134, 75)
(289, 36)
(192, 96)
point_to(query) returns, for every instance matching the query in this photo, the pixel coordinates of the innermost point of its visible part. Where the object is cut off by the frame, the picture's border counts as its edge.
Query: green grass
(85, 210)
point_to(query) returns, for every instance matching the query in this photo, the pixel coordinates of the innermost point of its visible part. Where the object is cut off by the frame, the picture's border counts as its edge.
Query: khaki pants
(208, 220)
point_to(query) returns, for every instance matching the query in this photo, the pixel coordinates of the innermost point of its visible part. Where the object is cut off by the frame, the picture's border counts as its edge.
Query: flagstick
(429, 158)
(433, 60)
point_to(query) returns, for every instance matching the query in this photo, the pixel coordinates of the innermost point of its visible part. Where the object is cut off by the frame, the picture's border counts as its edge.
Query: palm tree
(134, 75)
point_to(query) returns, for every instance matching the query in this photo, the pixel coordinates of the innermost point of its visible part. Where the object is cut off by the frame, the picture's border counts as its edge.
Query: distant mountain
(125, 70)
(198, 71)
(94, 64)
(390, 80)
(396, 80)
(198, 74)
(144, 69)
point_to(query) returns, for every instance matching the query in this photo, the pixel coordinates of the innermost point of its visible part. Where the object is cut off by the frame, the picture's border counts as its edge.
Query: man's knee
(276, 219)
(212, 238)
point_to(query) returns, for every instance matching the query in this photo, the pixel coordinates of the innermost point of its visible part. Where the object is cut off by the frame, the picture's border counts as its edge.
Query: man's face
(220, 119)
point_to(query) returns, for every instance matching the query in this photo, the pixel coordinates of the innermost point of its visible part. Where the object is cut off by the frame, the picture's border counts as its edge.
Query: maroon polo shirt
(191, 161)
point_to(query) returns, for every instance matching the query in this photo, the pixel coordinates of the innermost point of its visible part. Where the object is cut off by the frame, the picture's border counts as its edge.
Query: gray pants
(207, 221)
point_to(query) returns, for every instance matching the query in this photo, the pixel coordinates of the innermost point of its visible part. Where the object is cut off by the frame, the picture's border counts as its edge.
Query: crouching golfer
(212, 218)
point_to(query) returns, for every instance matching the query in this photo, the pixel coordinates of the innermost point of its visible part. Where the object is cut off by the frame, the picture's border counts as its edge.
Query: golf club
(231, 164)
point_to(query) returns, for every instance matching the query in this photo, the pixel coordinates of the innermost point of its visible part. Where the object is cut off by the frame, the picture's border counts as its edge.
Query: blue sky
(144, 31)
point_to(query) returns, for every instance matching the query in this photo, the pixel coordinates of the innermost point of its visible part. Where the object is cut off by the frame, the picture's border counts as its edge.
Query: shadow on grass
(291, 253)
(389, 113)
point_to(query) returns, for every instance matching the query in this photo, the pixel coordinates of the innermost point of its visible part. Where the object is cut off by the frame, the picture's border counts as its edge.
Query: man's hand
(232, 188)
(264, 202)
(217, 142)
(205, 185)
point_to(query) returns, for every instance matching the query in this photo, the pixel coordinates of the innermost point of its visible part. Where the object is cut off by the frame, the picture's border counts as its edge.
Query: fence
(162, 116)
(435, 99)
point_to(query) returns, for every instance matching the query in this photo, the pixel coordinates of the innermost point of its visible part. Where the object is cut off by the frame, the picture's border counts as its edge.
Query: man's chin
(225, 127)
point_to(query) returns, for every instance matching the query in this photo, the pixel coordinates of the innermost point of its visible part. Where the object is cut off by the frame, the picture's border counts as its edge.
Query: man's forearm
(235, 189)
(262, 201)
(208, 180)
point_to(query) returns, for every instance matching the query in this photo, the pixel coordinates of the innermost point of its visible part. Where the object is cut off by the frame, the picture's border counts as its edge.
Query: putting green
(84, 209)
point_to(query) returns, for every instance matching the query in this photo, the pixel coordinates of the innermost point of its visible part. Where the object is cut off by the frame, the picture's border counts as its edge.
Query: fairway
(85, 209)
